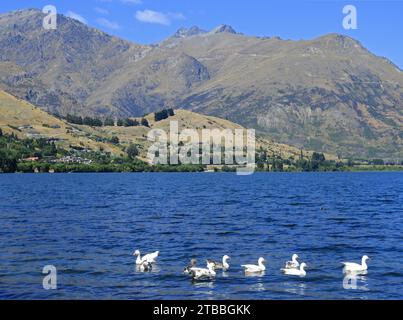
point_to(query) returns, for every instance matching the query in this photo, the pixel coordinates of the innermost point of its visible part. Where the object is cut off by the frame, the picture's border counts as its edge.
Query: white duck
(203, 273)
(220, 266)
(150, 258)
(251, 268)
(351, 267)
(295, 271)
(293, 264)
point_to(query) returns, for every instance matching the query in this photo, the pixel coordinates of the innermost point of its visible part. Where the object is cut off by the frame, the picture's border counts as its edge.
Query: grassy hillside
(188, 120)
(26, 121)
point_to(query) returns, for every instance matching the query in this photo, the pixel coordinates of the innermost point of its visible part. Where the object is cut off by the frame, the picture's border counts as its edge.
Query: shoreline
(205, 172)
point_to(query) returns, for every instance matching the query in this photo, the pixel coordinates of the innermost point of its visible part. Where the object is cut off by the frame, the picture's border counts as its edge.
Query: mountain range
(328, 94)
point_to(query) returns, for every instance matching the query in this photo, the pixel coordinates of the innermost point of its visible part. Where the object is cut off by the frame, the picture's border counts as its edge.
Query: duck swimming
(351, 267)
(296, 271)
(251, 268)
(220, 266)
(203, 273)
(150, 258)
(293, 264)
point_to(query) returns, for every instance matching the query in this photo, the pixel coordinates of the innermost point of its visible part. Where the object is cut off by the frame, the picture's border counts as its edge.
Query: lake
(89, 225)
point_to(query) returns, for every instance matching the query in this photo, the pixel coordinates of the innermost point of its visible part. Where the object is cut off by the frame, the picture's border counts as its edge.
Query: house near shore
(72, 160)
(31, 159)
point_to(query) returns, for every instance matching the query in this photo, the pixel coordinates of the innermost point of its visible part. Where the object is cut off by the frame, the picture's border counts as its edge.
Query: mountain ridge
(329, 93)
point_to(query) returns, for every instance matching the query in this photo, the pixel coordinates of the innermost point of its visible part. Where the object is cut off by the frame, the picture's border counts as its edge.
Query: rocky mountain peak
(340, 41)
(223, 28)
(189, 32)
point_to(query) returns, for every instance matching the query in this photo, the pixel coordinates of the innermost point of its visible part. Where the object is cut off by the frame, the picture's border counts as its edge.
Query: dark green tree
(162, 115)
(317, 160)
(130, 123)
(115, 140)
(132, 151)
(378, 162)
(74, 119)
(7, 164)
(319, 157)
(144, 123)
(109, 122)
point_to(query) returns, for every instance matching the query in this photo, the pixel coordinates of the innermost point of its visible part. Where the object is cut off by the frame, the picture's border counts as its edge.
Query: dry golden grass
(25, 120)
(16, 113)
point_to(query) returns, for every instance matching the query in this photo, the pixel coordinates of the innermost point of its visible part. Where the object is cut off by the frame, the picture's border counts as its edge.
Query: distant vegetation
(12, 150)
(108, 122)
(164, 114)
(132, 151)
(318, 163)
(41, 155)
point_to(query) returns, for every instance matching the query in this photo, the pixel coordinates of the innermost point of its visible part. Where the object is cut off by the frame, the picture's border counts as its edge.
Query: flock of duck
(292, 268)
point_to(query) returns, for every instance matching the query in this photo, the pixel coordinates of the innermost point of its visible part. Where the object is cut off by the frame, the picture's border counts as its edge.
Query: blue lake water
(88, 226)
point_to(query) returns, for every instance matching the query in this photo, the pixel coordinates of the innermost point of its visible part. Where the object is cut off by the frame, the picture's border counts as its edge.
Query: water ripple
(88, 226)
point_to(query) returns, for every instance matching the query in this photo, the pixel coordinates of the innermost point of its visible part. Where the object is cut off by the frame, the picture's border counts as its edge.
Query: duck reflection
(295, 288)
(147, 268)
(255, 274)
(203, 284)
(356, 281)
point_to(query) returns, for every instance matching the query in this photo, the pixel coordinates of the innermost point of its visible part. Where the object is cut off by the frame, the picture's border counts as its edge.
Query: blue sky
(380, 23)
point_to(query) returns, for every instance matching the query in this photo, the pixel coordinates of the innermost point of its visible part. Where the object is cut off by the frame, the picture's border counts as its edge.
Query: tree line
(14, 153)
(107, 122)
(317, 162)
(12, 150)
(163, 114)
(126, 122)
